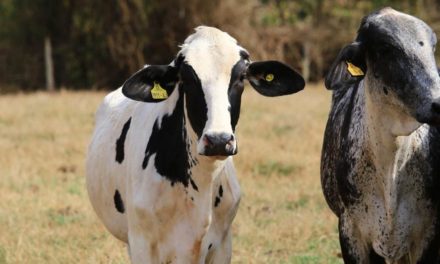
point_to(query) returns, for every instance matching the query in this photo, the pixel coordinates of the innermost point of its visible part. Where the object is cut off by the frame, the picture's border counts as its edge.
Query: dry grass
(45, 215)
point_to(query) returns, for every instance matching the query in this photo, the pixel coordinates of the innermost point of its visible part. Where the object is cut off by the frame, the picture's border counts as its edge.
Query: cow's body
(160, 173)
(380, 167)
(386, 199)
(194, 225)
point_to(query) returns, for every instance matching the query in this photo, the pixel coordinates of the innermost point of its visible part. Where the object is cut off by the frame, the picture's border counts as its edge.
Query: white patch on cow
(212, 54)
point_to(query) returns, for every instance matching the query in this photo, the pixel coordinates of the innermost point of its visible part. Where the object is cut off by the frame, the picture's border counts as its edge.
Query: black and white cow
(159, 170)
(380, 167)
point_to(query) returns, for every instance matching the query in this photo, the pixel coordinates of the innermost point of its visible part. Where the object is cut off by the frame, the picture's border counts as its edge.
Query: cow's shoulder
(114, 107)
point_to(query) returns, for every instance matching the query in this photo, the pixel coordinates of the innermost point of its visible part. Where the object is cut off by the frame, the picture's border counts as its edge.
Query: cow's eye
(385, 47)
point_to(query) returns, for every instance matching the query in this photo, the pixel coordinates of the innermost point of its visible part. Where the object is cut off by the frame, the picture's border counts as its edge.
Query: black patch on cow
(432, 185)
(170, 144)
(119, 204)
(217, 201)
(121, 141)
(346, 246)
(235, 90)
(375, 258)
(210, 246)
(193, 184)
(344, 165)
(218, 198)
(421, 43)
(195, 98)
(244, 55)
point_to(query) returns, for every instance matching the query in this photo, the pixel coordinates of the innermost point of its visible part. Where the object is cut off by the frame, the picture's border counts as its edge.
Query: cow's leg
(141, 250)
(223, 253)
(354, 250)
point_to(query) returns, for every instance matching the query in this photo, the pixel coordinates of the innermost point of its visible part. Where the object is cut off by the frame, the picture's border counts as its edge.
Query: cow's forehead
(402, 28)
(212, 53)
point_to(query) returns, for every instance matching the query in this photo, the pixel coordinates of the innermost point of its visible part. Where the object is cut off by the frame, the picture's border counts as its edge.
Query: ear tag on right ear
(269, 77)
(158, 92)
(354, 70)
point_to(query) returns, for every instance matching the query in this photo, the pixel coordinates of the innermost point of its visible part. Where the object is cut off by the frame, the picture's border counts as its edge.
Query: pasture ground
(46, 217)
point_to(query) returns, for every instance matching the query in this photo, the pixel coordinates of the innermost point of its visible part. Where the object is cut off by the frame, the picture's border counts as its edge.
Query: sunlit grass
(45, 215)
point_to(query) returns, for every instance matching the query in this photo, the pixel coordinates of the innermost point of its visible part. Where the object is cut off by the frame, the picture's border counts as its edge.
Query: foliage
(98, 44)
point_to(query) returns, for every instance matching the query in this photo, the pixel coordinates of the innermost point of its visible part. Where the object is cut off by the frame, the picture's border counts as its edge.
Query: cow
(380, 164)
(160, 174)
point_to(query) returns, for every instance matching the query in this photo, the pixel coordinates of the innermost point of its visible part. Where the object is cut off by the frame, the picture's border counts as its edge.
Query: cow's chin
(217, 156)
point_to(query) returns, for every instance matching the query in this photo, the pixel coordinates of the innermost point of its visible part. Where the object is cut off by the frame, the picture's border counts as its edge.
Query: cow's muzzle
(219, 144)
(430, 116)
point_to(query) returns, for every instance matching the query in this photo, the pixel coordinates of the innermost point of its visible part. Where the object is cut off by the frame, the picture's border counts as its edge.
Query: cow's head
(395, 55)
(210, 71)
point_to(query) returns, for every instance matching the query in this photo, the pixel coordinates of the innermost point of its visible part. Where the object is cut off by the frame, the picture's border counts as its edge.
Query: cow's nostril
(435, 107)
(207, 141)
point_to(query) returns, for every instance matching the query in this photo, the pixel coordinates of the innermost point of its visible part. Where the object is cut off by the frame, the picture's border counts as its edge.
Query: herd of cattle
(160, 173)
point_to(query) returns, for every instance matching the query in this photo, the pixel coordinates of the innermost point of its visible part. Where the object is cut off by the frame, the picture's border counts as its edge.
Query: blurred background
(98, 44)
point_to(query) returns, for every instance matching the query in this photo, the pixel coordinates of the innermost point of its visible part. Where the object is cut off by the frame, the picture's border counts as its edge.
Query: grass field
(46, 217)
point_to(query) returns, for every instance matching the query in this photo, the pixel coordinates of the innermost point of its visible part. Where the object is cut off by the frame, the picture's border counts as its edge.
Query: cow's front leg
(141, 250)
(222, 253)
(354, 250)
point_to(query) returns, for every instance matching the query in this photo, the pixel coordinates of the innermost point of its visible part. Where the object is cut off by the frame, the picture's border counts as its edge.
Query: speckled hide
(380, 166)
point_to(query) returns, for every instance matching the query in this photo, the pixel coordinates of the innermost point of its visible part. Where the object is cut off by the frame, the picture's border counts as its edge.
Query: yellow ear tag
(269, 77)
(158, 92)
(354, 70)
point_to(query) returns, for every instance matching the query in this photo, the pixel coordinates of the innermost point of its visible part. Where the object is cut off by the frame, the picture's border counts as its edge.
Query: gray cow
(380, 169)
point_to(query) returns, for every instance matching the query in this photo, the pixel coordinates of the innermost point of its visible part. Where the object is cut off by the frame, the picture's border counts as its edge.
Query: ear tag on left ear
(158, 92)
(269, 77)
(355, 71)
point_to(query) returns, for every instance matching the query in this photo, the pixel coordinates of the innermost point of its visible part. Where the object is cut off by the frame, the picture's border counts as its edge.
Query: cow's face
(396, 53)
(210, 71)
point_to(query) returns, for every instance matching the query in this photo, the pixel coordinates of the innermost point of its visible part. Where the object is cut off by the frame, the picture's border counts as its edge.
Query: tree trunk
(305, 60)
(48, 63)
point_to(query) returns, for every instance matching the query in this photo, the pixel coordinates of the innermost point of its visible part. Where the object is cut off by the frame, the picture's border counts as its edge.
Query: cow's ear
(152, 84)
(273, 78)
(349, 67)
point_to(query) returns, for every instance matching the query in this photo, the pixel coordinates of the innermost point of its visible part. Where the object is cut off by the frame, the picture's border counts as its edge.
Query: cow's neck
(386, 125)
(387, 134)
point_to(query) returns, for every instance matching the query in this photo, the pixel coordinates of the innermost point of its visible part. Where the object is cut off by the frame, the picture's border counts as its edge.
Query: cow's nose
(219, 144)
